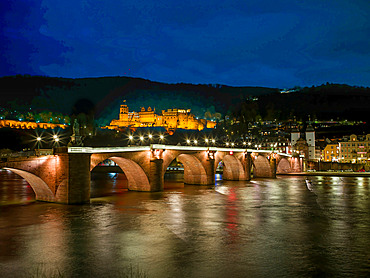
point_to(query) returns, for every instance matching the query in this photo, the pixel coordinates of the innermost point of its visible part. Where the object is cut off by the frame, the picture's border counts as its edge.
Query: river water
(284, 227)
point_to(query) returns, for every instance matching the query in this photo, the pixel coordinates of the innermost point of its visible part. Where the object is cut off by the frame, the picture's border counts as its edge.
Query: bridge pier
(74, 187)
(156, 174)
(247, 165)
(209, 166)
(273, 167)
(78, 191)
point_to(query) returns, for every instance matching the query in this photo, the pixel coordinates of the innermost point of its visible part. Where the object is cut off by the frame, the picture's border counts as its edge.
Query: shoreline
(321, 173)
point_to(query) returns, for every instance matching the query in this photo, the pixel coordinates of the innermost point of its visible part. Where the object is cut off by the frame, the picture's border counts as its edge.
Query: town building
(275, 144)
(355, 149)
(331, 152)
(171, 119)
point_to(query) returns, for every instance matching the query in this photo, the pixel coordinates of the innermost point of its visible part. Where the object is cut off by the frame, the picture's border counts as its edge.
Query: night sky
(272, 43)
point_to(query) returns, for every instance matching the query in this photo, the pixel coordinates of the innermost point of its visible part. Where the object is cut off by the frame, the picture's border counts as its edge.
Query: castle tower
(310, 139)
(123, 112)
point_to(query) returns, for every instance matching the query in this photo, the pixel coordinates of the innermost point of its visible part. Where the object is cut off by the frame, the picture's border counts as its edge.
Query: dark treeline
(325, 102)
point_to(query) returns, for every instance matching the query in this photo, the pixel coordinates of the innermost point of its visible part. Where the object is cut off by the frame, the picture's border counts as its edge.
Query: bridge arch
(283, 166)
(261, 166)
(194, 172)
(233, 168)
(137, 180)
(41, 189)
(195, 166)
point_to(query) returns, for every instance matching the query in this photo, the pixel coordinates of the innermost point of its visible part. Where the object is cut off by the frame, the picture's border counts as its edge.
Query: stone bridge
(64, 176)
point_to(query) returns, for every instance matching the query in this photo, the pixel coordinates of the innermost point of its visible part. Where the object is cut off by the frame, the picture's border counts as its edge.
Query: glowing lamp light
(244, 143)
(211, 155)
(161, 137)
(38, 138)
(55, 137)
(195, 142)
(131, 137)
(142, 138)
(232, 144)
(188, 141)
(206, 140)
(227, 143)
(231, 152)
(213, 140)
(249, 143)
(150, 136)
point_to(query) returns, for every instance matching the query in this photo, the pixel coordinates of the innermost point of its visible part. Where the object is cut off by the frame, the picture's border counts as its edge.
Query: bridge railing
(36, 152)
(165, 147)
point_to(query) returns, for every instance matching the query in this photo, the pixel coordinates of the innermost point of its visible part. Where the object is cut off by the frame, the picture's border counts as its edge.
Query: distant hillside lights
(171, 119)
(29, 125)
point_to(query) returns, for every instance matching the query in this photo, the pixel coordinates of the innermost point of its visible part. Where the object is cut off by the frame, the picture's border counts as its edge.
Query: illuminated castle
(171, 119)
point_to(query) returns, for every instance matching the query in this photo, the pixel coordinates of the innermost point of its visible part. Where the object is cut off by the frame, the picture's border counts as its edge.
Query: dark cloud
(24, 48)
(261, 43)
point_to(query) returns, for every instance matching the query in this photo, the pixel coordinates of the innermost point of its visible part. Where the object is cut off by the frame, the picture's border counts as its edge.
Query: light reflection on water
(262, 228)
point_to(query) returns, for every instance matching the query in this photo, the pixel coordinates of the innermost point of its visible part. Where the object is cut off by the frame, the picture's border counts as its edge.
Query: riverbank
(336, 174)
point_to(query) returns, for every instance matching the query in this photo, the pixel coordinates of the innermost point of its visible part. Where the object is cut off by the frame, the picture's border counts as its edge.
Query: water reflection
(259, 228)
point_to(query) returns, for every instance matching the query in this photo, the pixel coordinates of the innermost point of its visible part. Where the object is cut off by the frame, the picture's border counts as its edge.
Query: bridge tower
(310, 139)
(294, 136)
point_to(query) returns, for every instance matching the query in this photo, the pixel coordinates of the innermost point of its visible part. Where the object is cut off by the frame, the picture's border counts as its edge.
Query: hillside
(326, 102)
(104, 95)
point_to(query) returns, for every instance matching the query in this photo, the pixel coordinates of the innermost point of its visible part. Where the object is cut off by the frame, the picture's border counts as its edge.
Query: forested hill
(330, 101)
(105, 94)
(102, 96)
